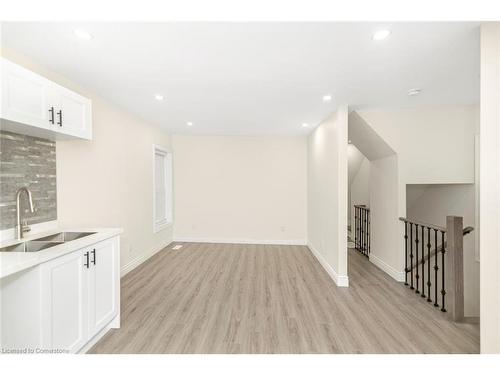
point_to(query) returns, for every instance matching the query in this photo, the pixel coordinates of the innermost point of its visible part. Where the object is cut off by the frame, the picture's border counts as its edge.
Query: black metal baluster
(406, 253)
(417, 276)
(436, 268)
(362, 230)
(356, 226)
(423, 262)
(366, 230)
(355, 229)
(443, 291)
(363, 226)
(429, 265)
(411, 255)
(359, 228)
(369, 232)
(365, 248)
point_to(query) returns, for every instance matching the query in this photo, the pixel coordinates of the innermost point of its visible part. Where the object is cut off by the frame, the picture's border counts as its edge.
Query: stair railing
(434, 263)
(362, 229)
(465, 232)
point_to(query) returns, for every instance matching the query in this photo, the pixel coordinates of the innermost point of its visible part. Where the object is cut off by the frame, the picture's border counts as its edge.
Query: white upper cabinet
(74, 113)
(25, 96)
(36, 106)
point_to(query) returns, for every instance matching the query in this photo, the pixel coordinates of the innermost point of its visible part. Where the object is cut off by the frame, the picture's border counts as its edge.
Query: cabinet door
(26, 97)
(103, 284)
(73, 113)
(64, 285)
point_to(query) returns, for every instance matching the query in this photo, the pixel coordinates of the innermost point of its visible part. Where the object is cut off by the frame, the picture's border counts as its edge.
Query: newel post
(454, 267)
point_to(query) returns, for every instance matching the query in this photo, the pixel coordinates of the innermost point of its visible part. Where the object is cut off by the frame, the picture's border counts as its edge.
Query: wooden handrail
(432, 226)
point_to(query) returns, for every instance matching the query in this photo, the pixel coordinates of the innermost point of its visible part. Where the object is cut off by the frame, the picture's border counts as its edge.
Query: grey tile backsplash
(31, 162)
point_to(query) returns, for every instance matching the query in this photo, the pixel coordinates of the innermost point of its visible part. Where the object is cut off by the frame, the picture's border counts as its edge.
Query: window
(162, 179)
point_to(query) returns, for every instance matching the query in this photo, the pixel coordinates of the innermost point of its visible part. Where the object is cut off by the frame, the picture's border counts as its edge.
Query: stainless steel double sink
(45, 242)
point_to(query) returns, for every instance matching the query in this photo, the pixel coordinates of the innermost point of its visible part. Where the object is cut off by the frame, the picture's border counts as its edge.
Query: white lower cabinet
(77, 296)
(103, 286)
(64, 290)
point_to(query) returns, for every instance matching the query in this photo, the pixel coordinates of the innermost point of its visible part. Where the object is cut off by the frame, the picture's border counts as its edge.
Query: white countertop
(12, 262)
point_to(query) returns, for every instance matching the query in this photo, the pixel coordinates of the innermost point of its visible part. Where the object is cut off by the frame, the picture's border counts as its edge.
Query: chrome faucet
(21, 228)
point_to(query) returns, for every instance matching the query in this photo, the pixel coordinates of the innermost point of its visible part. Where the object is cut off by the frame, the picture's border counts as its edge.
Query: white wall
(434, 145)
(490, 187)
(327, 194)
(107, 182)
(360, 189)
(366, 139)
(385, 251)
(355, 160)
(240, 189)
(431, 205)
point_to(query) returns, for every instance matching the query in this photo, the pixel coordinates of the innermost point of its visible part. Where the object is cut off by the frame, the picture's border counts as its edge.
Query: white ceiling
(257, 78)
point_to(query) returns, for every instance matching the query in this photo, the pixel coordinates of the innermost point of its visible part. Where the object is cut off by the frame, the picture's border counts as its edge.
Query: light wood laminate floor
(227, 298)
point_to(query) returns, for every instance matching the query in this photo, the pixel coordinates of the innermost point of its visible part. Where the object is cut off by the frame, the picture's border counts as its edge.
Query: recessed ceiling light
(413, 92)
(305, 125)
(327, 98)
(189, 123)
(82, 34)
(159, 97)
(349, 141)
(381, 34)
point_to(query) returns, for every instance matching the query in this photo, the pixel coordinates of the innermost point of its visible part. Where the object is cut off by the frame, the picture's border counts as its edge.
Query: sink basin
(65, 236)
(45, 242)
(30, 246)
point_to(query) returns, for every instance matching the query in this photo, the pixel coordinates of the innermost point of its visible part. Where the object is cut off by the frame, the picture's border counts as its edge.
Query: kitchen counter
(12, 262)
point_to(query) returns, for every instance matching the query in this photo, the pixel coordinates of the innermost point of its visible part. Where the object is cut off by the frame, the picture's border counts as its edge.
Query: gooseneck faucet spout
(21, 228)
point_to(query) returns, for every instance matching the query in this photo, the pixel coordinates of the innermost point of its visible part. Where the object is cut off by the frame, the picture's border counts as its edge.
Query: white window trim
(159, 226)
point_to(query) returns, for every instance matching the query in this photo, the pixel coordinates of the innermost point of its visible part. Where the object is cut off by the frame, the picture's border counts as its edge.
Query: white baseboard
(140, 259)
(241, 241)
(340, 280)
(391, 271)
